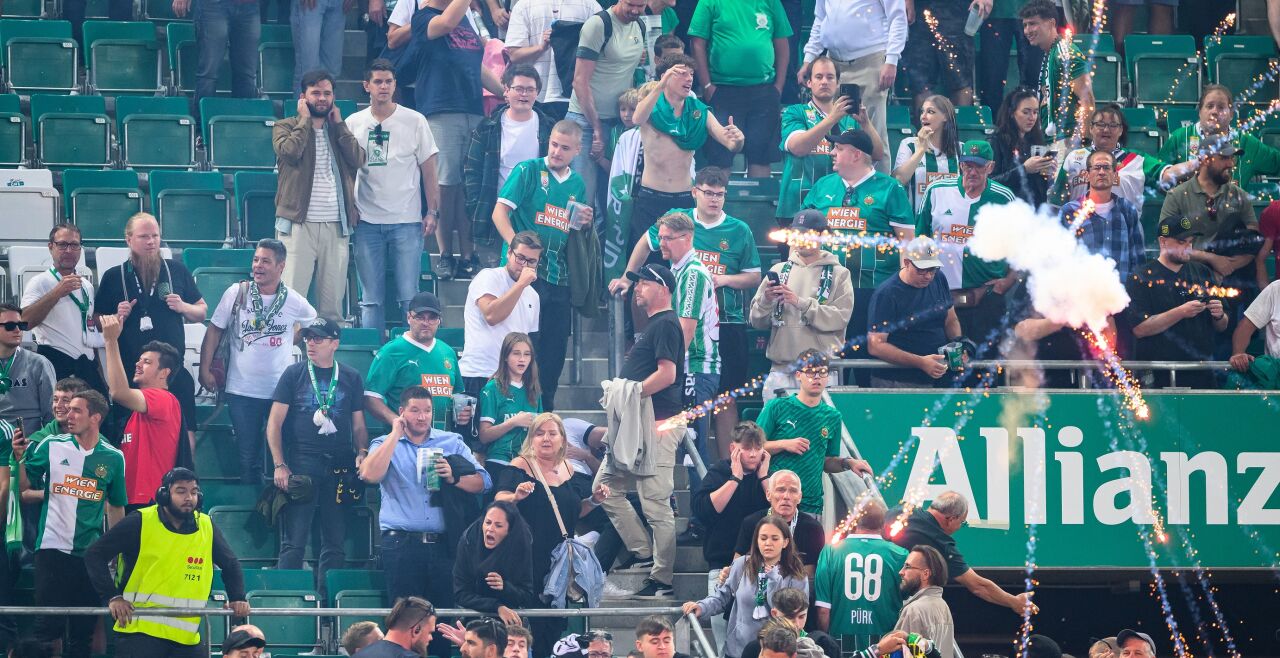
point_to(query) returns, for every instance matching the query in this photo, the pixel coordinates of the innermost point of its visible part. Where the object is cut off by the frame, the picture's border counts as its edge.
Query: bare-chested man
(673, 125)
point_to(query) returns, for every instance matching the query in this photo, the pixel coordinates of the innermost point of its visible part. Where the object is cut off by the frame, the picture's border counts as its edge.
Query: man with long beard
(154, 297)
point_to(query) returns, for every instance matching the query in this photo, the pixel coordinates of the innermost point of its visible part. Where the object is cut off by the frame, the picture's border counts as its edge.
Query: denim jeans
(413, 568)
(295, 533)
(699, 388)
(249, 423)
(582, 163)
(317, 38)
(375, 243)
(217, 21)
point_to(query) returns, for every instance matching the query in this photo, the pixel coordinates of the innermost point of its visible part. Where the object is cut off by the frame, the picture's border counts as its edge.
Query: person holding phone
(1022, 161)
(26, 378)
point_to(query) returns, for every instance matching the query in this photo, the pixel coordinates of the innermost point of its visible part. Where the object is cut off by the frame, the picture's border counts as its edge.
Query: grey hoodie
(30, 396)
(808, 324)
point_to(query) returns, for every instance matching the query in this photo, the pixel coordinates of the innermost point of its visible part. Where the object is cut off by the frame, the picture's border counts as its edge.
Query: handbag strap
(537, 474)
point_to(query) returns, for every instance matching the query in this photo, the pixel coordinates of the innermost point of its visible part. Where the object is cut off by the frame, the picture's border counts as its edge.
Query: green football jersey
(695, 299)
(540, 203)
(948, 217)
(498, 408)
(1058, 101)
(857, 579)
(789, 418)
(404, 362)
(725, 247)
(78, 486)
(800, 171)
(873, 208)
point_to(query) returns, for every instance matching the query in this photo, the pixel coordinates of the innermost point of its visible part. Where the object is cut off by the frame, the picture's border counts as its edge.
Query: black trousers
(140, 645)
(63, 582)
(64, 366)
(555, 323)
(73, 11)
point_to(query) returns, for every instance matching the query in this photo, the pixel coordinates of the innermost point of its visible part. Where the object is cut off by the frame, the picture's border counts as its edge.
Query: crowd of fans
(529, 137)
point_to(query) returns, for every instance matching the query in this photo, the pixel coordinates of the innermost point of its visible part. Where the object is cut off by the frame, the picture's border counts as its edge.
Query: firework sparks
(1120, 377)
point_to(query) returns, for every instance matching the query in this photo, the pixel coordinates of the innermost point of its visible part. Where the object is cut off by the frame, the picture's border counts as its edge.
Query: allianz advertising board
(1202, 473)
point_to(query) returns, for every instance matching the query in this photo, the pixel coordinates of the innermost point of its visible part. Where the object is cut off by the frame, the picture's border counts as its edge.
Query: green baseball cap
(976, 151)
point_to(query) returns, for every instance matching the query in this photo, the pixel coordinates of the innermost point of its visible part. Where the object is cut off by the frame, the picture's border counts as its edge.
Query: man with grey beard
(154, 298)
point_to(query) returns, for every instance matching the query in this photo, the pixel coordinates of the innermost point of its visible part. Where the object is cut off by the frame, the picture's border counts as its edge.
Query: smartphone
(773, 278)
(1052, 154)
(1038, 150)
(854, 94)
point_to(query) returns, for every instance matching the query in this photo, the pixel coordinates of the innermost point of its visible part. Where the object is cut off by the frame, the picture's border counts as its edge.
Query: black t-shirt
(449, 78)
(808, 535)
(302, 435)
(914, 318)
(1155, 289)
(722, 528)
(922, 528)
(385, 649)
(120, 284)
(662, 339)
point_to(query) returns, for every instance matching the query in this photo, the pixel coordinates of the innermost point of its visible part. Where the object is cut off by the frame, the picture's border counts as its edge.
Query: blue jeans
(317, 38)
(216, 21)
(413, 568)
(402, 243)
(699, 388)
(249, 423)
(586, 167)
(295, 532)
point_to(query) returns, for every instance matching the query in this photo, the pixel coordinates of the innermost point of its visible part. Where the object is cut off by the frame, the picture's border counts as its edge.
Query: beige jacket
(927, 614)
(808, 324)
(632, 432)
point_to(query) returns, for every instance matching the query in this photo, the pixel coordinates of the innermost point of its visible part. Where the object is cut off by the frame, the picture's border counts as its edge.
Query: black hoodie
(510, 559)
(722, 527)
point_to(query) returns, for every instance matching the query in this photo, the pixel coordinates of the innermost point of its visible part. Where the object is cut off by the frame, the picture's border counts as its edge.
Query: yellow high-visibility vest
(173, 571)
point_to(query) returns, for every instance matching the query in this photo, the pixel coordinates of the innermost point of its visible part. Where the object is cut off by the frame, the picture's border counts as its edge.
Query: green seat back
(217, 493)
(192, 207)
(197, 257)
(39, 55)
(216, 451)
(71, 130)
(155, 132)
(1164, 68)
(275, 69)
(303, 631)
(359, 598)
(212, 282)
(24, 9)
(122, 57)
(183, 58)
(13, 131)
(246, 532)
(237, 132)
(256, 204)
(99, 202)
(1238, 60)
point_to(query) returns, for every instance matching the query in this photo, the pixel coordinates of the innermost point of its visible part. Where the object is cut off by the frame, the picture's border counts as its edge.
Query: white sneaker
(590, 538)
(614, 593)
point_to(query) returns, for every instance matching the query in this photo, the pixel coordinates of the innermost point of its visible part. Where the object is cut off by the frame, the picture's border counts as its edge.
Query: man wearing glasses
(400, 165)
(57, 304)
(911, 318)
(920, 582)
(26, 378)
(410, 626)
(1104, 222)
(500, 300)
(934, 527)
(416, 358)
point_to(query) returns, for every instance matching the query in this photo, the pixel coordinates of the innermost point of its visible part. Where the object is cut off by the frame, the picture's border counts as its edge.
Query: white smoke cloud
(1068, 284)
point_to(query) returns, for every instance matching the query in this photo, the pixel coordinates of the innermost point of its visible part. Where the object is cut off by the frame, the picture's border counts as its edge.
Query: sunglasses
(14, 326)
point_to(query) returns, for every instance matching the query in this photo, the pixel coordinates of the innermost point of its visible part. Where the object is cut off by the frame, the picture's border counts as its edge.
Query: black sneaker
(467, 268)
(692, 536)
(652, 589)
(444, 268)
(636, 564)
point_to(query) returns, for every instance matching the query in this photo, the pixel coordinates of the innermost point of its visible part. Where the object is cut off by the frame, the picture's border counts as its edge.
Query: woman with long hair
(754, 580)
(1017, 131)
(491, 572)
(508, 403)
(932, 155)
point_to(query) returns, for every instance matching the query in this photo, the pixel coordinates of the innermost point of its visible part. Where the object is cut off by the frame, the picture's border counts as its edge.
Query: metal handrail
(1005, 366)
(618, 333)
(691, 449)
(29, 610)
(704, 645)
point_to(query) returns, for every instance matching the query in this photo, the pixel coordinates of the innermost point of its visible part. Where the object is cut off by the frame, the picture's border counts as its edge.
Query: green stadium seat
(1236, 61)
(39, 56)
(100, 202)
(191, 206)
(973, 122)
(155, 133)
(218, 493)
(359, 357)
(301, 632)
(216, 453)
(754, 201)
(122, 58)
(1105, 64)
(212, 282)
(275, 62)
(757, 342)
(361, 336)
(215, 628)
(1144, 130)
(71, 131)
(1176, 115)
(292, 579)
(359, 598)
(237, 132)
(24, 9)
(13, 132)
(196, 258)
(161, 12)
(180, 38)
(358, 544)
(751, 414)
(347, 107)
(253, 542)
(899, 126)
(341, 580)
(256, 204)
(1164, 68)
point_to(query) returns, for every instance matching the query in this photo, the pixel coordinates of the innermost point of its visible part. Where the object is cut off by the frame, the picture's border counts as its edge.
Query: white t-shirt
(519, 143)
(575, 430)
(1264, 313)
(63, 328)
(388, 185)
(259, 355)
(484, 342)
(529, 20)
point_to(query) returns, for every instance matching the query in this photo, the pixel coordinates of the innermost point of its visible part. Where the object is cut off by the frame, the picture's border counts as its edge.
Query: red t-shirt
(1269, 226)
(150, 444)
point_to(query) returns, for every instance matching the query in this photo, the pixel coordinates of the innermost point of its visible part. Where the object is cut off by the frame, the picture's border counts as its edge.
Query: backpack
(564, 45)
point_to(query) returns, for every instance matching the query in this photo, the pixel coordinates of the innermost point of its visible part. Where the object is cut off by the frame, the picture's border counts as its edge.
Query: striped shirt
(323, 206)
(696, 299)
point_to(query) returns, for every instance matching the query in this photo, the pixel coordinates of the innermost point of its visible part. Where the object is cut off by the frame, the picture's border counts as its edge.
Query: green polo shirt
(1058, 102)
(948, 217)
(724, 247)
(1255, 158)
(539, 202)
(1233, 212)
(874, 207)
(740, 35)
(799, 172)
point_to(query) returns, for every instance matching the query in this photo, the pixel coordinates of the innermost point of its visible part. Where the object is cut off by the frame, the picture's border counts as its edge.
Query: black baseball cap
(241, 640)
(1129, 634)
(1178, 228)
(655, 273)
(809, 220)
(853, 137)
(321, 328)
(425, 302)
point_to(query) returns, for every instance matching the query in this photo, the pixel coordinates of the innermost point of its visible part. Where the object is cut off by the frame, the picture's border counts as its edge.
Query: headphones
(179, 474)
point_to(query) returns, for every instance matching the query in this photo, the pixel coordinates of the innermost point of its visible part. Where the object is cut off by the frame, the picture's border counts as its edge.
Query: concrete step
(689, 586)
(350, 89)
(578, 397)
(353, 65)
(353, 43)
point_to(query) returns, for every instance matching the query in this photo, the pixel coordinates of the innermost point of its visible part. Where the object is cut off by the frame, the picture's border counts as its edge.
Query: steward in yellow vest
(168, 552)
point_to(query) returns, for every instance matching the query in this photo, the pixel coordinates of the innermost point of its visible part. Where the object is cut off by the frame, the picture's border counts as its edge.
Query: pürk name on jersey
(553, 216)
(846, 218)
(78, 487)
(711, 259)
(438, 385)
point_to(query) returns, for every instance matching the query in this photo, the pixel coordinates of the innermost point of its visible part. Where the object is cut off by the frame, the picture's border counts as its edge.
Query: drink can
(955, 357)
(427, 459)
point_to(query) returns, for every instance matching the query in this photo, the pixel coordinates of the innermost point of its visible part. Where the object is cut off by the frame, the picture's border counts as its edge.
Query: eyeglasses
(1102, 168)
(927, 271)
(908, 567)
(672, 238)
(709, 194)
(817, 373)
(425, 316)
(13, 326)
(316, 339)
(1106, 125)
(524, 90)
(525, 261)
(67, 246)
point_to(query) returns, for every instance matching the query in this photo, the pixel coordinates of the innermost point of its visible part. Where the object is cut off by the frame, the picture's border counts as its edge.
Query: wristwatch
(735, 478)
